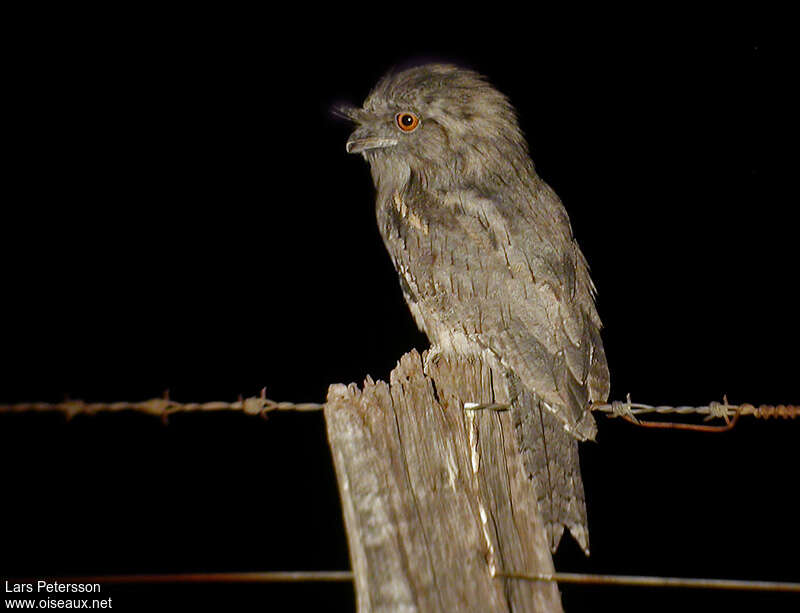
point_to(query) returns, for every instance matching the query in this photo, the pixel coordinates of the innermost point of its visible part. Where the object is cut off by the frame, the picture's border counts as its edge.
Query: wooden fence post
(435, 499)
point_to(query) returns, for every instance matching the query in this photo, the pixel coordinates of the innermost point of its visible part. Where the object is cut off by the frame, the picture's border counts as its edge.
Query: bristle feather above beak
(349, 112)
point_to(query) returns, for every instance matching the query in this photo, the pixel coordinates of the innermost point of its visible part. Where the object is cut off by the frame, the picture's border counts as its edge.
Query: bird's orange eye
(407, 122)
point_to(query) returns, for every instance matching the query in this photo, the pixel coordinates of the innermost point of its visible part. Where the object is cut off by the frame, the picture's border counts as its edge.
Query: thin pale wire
(346, 576)
(644, 581)
(231, 577)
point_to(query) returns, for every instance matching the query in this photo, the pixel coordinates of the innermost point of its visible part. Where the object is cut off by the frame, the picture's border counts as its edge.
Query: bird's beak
(362, 139)
(359, 141)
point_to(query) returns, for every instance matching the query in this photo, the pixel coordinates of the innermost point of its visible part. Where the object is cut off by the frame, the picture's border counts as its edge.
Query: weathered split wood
(435, 498)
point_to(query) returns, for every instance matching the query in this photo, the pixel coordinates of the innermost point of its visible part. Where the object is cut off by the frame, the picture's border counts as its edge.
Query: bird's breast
(408, 216)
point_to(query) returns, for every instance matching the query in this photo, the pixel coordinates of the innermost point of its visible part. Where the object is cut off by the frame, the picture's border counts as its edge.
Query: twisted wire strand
(163, 407)
(714, 409)
(261, 405)
(630, 410)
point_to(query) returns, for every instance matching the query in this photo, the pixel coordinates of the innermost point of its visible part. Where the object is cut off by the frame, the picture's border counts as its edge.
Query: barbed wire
(713, 409)
(628, 411)
(163, 407)
(261, 405)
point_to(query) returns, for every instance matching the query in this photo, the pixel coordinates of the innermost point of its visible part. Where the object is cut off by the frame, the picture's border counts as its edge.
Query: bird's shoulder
(521, 234)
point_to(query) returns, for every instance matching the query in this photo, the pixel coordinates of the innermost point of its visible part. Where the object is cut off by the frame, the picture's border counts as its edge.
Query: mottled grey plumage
(488, 263)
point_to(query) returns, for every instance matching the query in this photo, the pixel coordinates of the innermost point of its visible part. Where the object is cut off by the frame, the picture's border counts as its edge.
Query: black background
(180, 214)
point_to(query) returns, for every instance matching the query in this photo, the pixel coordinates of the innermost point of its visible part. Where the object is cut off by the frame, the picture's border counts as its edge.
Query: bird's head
(443, 122)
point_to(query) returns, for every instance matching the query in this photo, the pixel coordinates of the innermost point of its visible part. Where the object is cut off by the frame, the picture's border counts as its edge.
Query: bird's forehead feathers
(442, 91)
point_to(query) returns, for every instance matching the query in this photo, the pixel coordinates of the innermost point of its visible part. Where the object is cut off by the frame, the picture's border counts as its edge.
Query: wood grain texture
(435, 498)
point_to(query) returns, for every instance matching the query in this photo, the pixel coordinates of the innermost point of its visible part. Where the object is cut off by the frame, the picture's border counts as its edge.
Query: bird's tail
(550, 457)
